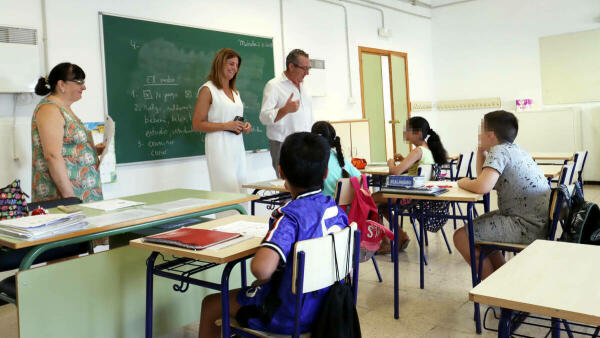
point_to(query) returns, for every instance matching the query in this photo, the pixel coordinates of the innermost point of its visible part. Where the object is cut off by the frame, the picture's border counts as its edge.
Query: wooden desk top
(273, 185)
(551, 171)
(550, 278)
(223, 198)
(228, 254)
(454, 157)
(454, 194)
(376, 170)
(553, 156)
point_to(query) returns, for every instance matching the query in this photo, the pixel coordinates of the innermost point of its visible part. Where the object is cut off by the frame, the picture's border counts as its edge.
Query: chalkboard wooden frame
(256, 141)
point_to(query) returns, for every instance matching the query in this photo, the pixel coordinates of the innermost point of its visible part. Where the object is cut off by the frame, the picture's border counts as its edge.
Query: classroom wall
(490, 48)
(317, 27)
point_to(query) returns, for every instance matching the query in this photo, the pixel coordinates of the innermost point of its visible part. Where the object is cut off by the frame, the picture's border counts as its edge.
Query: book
(190, 238)
(40, 226)
(433, 191)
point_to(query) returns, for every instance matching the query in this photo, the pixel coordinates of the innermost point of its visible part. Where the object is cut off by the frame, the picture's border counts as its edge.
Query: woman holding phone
(219, 113)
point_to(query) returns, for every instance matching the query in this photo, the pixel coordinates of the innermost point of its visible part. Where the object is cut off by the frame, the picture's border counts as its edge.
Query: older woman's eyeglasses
(79, 82)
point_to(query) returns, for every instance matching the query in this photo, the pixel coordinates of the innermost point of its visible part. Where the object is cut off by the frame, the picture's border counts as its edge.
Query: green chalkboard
(153, 72)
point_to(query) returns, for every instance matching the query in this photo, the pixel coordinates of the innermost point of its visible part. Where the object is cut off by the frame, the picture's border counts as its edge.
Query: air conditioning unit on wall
(19, 59)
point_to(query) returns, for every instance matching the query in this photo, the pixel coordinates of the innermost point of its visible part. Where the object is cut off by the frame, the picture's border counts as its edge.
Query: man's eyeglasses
(79, 82)
(306, 69)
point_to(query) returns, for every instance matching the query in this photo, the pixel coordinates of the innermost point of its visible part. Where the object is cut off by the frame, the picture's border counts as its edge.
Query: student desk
(281, 196)
(98, 293)
(187, 262)
(530, 282)
(551, 171)
(454, 194)
(566, 157)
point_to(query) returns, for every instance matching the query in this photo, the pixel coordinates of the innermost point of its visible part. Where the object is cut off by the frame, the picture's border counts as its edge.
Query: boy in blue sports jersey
(269, 305)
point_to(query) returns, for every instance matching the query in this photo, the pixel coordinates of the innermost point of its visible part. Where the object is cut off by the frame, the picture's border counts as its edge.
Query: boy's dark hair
(303, 160)
(434, 143)
(325, 129)
(504, 125)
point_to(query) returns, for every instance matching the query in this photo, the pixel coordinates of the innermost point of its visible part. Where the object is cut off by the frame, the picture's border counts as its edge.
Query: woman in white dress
(215, 112)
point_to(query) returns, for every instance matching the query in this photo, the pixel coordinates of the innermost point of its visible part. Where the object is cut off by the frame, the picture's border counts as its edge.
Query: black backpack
(337, 317)
(583, 222)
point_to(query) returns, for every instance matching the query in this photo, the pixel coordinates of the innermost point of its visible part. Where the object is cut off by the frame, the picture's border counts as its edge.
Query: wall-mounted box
(19, 59)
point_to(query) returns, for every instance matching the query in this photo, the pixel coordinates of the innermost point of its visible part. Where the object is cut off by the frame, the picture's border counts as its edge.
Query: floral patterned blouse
(80, 158)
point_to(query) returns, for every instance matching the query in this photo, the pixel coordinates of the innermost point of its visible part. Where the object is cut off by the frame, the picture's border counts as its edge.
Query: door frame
(388, 53)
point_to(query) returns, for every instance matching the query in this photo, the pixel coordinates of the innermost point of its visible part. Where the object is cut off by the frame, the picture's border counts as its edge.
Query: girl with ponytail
(339, 167)
(428, 148)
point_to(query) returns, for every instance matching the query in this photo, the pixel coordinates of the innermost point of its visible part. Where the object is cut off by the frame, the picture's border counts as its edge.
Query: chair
(579, 159)
(314, 269)
(427, 171)
(554, 217)
(344, 196)
(11, 259)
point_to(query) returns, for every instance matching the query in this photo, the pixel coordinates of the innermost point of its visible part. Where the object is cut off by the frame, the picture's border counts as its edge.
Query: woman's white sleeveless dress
(225, 152)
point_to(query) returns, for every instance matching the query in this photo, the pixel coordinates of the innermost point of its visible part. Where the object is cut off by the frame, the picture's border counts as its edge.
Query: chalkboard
(153, 72)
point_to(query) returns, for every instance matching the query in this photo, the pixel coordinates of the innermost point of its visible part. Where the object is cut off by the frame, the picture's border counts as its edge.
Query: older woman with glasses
(64, 158)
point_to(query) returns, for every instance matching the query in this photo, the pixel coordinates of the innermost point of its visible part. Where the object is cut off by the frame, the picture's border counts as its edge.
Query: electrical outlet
(485, 103)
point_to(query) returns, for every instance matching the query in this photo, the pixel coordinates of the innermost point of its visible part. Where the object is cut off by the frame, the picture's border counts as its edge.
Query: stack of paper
(247, 229)
(39, 226)
(110, 205)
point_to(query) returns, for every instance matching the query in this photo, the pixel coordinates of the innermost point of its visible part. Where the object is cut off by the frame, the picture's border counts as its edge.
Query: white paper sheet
(109, 132)
(110, 205)
(121, 216)
(40, 220)
(278, 183)
(182, 204)
(247, 229)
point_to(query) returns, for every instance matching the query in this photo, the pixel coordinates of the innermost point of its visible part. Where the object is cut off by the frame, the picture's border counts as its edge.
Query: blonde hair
(217, 67)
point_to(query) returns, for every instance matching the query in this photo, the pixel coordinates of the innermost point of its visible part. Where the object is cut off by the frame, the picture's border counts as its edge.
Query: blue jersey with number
(310, 215)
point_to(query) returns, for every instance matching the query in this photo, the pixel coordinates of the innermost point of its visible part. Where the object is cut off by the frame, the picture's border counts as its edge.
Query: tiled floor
(442, 309)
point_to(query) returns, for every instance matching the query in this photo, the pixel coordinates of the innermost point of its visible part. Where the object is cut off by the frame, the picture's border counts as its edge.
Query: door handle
(393, 121)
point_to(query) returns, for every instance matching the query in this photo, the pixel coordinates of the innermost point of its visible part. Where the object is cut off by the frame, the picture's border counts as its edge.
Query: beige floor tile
(8, 321)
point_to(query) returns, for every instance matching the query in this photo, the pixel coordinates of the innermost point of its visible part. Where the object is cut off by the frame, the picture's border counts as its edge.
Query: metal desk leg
(149, 292)
(486, 202)
(421, 251)
(504, 323)
(243, 273)
(225, 297)
(477, 317)
(394, 222)
(555, 327)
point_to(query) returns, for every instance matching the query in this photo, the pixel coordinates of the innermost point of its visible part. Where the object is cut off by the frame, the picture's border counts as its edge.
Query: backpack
(363, 211)
(583, 221)
(12, 201)
(337, 317)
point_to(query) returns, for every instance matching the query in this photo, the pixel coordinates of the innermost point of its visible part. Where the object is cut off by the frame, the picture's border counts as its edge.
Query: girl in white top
(216, 108)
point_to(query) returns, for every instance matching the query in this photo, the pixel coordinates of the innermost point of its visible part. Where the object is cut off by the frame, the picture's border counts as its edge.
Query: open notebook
(190, 238)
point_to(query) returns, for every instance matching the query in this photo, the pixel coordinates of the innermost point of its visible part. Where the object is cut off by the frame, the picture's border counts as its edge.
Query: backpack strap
(337, 271)
(364, 182)
(355, 183)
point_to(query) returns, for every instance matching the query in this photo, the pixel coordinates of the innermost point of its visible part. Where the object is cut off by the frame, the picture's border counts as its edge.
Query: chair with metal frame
(310, 259)
(579, 159)
(554, 217)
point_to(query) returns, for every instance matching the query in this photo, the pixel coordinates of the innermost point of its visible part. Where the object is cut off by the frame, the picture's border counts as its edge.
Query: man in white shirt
(286, 105)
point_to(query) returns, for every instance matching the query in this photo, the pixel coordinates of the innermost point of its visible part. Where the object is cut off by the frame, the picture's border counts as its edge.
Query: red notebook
(190, 238)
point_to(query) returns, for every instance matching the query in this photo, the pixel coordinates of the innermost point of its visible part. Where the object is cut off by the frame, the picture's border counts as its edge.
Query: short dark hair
(504, 125)
(303, 160)
(65, 71)
(292, 57)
